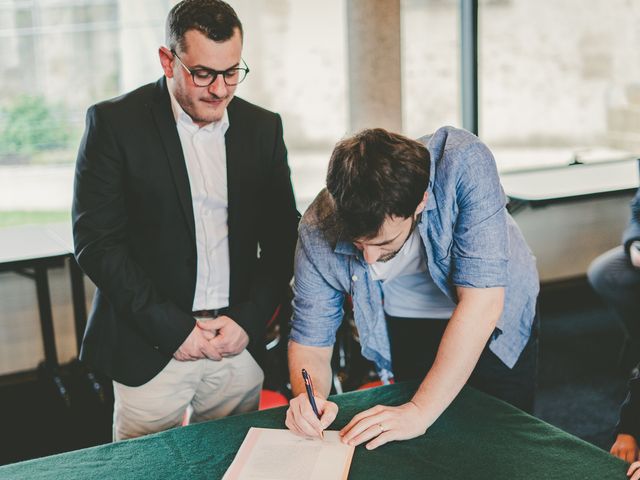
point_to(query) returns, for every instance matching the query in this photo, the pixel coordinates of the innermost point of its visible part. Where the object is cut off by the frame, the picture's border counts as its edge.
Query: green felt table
(478, 437)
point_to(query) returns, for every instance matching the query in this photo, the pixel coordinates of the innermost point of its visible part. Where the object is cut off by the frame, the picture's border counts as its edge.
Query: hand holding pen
(309, 415)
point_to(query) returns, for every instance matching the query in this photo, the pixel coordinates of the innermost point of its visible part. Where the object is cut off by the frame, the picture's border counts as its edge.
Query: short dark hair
(213, 18)
(373, 175)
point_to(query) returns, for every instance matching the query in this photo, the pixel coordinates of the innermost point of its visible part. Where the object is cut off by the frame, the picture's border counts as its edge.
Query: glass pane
(297, 54)
(559, 82)
(431, 65)
(59, 57)
(79, 53)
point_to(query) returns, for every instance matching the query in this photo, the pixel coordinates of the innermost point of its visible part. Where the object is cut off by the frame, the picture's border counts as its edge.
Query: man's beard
(392, 255)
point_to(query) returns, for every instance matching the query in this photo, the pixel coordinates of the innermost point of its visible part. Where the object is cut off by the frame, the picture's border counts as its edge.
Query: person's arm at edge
(628, 428)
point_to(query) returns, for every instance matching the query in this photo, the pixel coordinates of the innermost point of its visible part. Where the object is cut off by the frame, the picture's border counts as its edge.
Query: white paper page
(272, 454)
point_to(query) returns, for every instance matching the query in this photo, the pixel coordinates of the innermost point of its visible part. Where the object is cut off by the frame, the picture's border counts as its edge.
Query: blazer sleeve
(277, 236)
(100, 239)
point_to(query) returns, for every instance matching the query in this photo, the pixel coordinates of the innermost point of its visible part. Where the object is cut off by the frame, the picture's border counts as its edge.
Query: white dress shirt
(206, 160)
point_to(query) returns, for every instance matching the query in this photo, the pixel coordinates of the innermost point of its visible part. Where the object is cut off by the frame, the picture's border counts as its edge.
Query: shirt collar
(345, 248)
(184, 119)
(434, 155)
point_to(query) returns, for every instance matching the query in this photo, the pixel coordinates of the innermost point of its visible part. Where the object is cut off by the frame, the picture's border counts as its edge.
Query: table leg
(46, 316)
(79, 300)
(48, 335)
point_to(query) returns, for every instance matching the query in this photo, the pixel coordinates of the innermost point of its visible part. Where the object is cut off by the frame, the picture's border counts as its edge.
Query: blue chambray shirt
(470, 241)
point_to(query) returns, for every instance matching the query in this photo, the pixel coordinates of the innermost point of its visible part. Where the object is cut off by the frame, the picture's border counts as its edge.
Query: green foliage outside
(24, 217)
(29, 125)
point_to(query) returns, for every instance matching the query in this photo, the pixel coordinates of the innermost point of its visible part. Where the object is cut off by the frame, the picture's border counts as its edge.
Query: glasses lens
(203, 78)
(234, 76)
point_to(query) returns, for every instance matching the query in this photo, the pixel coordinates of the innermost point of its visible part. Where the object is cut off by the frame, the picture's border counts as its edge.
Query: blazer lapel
(163, 115)
(236, 171)
(233, 147)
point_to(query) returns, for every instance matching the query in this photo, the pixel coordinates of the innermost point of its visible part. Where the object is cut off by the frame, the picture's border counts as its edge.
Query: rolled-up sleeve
(480, 249)
(317, 305)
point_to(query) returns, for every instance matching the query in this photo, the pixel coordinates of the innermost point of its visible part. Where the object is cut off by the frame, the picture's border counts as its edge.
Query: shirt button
(354, 278)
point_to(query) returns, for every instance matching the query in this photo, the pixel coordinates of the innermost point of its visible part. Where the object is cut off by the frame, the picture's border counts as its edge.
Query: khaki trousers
(210, 389)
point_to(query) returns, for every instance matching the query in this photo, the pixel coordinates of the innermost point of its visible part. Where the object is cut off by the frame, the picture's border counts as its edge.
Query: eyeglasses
(203, 77)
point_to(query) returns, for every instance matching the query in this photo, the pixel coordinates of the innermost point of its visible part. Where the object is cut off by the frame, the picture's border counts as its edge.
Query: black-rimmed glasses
(203, 77)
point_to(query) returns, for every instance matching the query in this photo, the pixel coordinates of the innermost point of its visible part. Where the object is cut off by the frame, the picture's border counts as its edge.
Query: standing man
(443, 284)
(178, 186)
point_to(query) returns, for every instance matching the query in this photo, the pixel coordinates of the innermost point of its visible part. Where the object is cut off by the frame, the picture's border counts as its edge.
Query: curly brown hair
(373, 175)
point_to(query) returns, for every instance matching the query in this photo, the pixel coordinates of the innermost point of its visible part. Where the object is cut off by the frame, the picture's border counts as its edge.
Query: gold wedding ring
(381, 428)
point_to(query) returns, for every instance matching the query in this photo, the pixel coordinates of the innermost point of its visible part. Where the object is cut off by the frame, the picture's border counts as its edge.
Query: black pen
(308, 384)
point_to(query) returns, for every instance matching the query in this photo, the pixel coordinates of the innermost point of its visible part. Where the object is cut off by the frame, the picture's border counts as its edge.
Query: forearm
(316, 361)
(464, 339)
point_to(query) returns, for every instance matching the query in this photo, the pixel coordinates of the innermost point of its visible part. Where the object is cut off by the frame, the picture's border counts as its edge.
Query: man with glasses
(442, 282)
(184, 218)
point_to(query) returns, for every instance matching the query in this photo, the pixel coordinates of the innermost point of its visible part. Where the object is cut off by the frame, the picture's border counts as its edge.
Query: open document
(268, 453)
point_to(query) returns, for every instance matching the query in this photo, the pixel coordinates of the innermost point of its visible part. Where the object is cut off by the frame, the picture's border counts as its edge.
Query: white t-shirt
(407, 286)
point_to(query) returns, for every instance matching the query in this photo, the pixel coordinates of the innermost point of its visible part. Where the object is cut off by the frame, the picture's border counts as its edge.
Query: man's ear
(166, 60)
(421, 205)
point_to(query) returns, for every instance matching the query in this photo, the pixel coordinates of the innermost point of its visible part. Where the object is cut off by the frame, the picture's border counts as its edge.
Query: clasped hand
(377, 425)
(213, 339)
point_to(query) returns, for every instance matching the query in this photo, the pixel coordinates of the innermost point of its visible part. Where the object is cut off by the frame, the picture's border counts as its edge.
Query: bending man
(443, 284)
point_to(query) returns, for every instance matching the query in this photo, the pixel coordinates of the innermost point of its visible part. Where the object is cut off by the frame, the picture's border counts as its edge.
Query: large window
(559, 80)
(60, 56)
(297, 53)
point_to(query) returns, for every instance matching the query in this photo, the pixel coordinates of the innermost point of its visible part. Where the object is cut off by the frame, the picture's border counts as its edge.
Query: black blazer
(134, 229)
